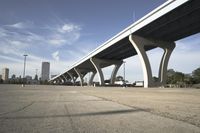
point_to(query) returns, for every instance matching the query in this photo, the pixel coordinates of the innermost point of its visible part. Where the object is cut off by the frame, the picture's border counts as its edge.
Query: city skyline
(55, 32)
(43, 73)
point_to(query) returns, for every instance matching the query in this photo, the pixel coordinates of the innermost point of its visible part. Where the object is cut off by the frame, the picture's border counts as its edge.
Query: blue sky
(63, 31)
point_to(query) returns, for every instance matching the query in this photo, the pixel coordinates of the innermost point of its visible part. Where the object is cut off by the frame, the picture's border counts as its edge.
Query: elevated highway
(173, 20)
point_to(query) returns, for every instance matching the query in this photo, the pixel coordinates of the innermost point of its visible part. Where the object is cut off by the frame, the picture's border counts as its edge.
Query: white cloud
(69, 28)
(23, 37)
(19, 25)
(57, 42)
(55, 55)
(27, 33)
(7, 58)
(12, 47)
(66, 34)
(32, 37)
(2, 32)
(18, 44)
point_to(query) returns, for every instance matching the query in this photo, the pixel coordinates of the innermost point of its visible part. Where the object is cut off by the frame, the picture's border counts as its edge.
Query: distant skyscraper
(45, 71)
(5, 74)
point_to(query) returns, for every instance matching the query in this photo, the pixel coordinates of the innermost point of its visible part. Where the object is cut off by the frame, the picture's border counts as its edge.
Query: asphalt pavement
(62, 109)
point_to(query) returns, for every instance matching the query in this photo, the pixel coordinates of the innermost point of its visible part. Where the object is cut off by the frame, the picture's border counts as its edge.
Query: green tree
(179, 77)
(174, 77)
(155, 79)
(119, 78)
(196, 75)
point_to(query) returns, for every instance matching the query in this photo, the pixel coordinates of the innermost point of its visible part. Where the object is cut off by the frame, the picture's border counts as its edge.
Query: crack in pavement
(18, 110)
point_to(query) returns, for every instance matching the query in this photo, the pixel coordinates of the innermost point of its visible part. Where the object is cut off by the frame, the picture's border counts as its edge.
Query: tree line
(181, 79)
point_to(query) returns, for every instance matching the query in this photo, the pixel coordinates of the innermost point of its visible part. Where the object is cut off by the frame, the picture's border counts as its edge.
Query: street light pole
(24, 70)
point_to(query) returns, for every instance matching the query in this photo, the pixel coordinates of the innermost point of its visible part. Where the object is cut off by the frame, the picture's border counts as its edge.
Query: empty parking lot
(98, 109)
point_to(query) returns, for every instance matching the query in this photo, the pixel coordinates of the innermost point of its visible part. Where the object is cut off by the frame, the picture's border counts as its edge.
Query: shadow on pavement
(77, 115)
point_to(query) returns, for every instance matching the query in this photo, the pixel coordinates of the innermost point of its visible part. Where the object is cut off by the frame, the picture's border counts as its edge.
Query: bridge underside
(181, 22)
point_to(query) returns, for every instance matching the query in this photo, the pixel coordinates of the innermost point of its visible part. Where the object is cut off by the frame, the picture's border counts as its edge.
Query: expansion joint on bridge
(139, 44)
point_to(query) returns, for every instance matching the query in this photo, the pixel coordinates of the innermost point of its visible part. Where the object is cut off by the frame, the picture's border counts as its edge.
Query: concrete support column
(92, 77)
(64, 78)
(164, 64)
(139, 47)
(80, 74)
(58, 81)
(61, 80)
(139, 43)
(55, 81)
(114, 72)
(52, 82)
(72, 78)
(96, 63)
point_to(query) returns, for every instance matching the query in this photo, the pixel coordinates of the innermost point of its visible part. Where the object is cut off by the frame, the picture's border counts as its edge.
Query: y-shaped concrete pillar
(55, 81)
(58, 80)
(52, 82)
(97, 64)
(164, 64)
(72, 77)
(81, 74)
(61, 80)
(92, 78)
(114, 72)
(64, 78)
(139, 43)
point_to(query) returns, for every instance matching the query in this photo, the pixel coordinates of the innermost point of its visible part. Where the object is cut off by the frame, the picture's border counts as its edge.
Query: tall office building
(45, 71)
(5, 74)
